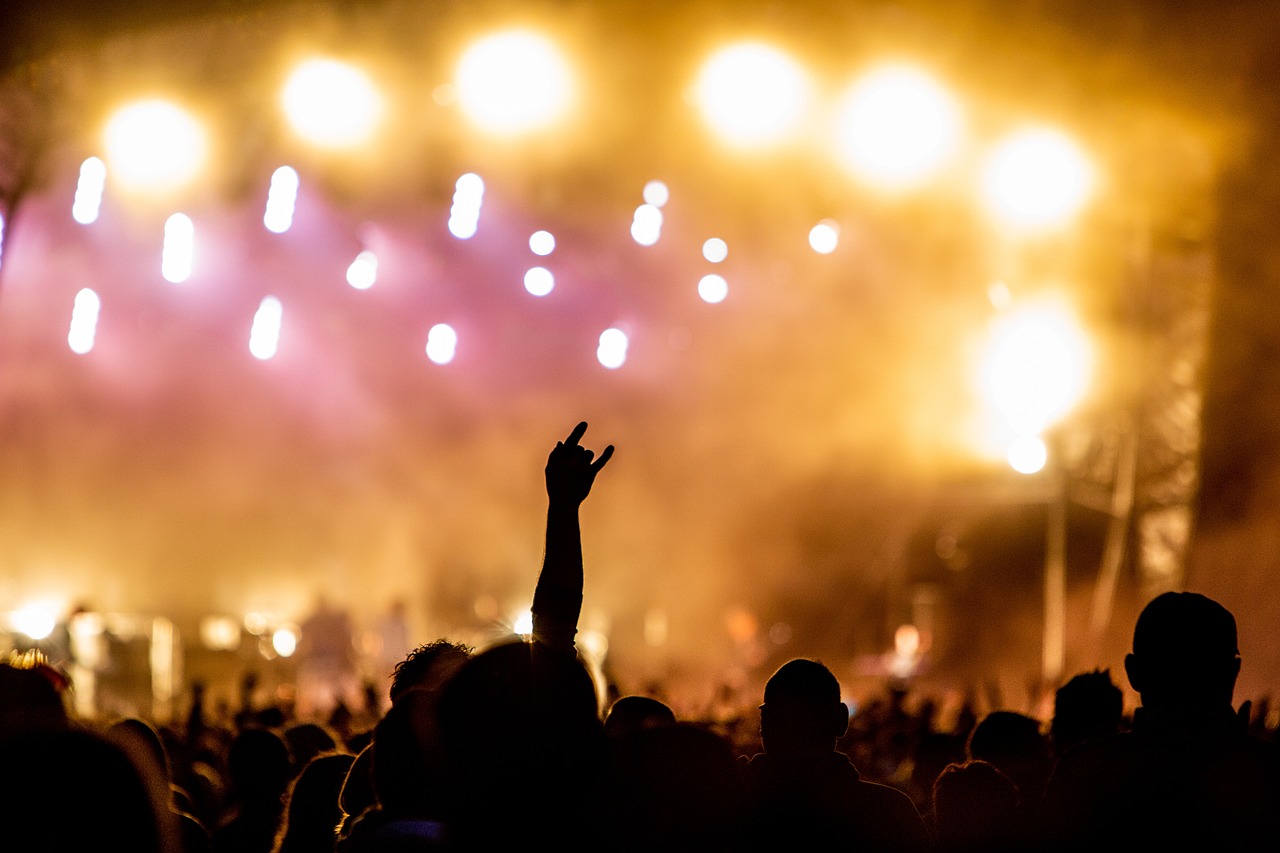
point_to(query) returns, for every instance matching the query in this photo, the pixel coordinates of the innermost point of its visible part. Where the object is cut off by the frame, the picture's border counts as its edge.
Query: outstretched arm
(557, 600)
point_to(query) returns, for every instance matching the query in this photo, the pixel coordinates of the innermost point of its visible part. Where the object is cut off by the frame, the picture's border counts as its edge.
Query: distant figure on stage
(328, 672)
(1189, 776)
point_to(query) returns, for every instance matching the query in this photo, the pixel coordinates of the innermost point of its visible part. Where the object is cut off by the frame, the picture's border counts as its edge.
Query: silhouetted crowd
(505, 746)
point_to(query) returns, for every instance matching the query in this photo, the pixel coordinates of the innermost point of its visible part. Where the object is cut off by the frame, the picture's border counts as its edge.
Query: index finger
(604, 457)
(576, 435)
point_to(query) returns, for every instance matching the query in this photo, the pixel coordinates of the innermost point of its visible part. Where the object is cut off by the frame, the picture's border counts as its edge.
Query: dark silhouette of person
(632, 714)
(1088, 707)
(142, 743)
(803, 792)
(975, 808)
(260, 770)
(1188, 776)
(1012, 743)
(312, 812)
(428, 666)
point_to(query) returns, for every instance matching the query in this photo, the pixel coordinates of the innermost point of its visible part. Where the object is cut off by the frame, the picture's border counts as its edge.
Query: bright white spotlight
(88, 200)
(897, 127)
(752, 94)
(646, 225)
(285, 640)
(539, 281)
(281, 199)
(612, 351)
(713, 289)
(464, 215)
(37, 621)
(542, 243)
(363, 271)
(179, 248)
(512, 82)
(715, 250)
(84, 321)
(824, 237)
(331, 104)
(656, 193)
(154, 145)
(1036, 179)
(442, 343)
(523, 623)
(1028, 454)
(264, 336)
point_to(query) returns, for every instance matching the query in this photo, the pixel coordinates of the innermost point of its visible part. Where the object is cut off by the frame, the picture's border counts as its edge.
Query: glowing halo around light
(1036, 179)
(897, 127)
(154, 145)
(331, 104)
(1028, 454)
(752, 94)
(513, 82)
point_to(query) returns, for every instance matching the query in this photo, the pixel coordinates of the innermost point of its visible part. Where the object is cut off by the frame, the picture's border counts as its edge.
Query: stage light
(542, 243)
(656, 193)
(1036, 367)
(752, 94)
(464, 214)
(824, 237)
(84, 321)
(713, 289)
(646, 225)
(612, 351)
(539, 281)
(897, 127)
(442, 343)
(715, 250)
(285, 640)
(264, 336)
(282, 196)
(89, 187)
(1028, 454)
(1036, 179)
(513, 82)
(154, 145)
(523, 623)
(36, 621)
(363, 271)
(331, 104)
(178, 253)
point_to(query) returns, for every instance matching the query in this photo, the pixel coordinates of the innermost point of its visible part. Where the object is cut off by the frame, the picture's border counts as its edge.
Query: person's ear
(1133, 669)
(840, 720)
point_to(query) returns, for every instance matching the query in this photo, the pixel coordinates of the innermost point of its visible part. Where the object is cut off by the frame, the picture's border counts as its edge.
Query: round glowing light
(285, 641)
(513, 82)
(264, 335)
(363, 271)
(539, 281)
(37, 621)
(752, 94)
(331, 104)
(84, 321)
(523, 623)
(88, 198)
(715, 250)
(656, 193)
(1037, 366)
(824, 237)
(612, 351)
(177, 255)
(154, 145)
(897, 127)
(713, 289)
(646, 225)
(542, 243)
(442, 343)
(1027, 454)
(1036, 179)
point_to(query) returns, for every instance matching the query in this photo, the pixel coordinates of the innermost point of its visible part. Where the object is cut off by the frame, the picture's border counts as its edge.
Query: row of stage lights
(894, 128)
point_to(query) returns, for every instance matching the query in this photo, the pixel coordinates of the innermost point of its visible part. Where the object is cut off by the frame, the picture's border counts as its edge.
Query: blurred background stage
(934, 338)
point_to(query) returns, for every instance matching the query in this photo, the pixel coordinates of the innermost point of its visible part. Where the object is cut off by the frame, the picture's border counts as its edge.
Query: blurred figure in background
(328, 674)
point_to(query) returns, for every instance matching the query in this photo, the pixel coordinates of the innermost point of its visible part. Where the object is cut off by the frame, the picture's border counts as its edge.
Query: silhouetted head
(429, 666)
(802, 711)
(632, 714)
(1087, 707)
(312, 812)
(307, 740)
(1012, 743)
(1184, 658)
(31, 699)
(975, 807)
(259, 768)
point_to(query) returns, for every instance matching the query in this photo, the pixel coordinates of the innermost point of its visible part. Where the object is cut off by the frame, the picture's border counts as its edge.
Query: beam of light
(1028, 454)
(897, 127)
(751, 94)
(656, 193)
(1036, 367)
(464, 214)
(442, 343)
(1036, 179)
(282, 196)
(89, 187)
(715, 250)
(264, 335)
(523, 623)
(179, 248)
(713, 289)
(542, 243)
(363, 271)
(35, 620)
(612, 351)
(285, 640)
(154, 145)
(331, 104)
(646, 225)
(539, 281)
(512, 82)
(84, 321)
(824, 237)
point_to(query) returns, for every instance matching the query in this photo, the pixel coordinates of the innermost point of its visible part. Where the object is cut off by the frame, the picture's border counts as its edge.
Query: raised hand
(572, 469)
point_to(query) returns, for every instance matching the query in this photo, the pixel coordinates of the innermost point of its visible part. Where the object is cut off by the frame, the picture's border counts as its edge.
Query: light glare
(281, 198)
(1028, 454)
(751, 94)
(539, 281)
(179, 248)
(331, 104)
(542, 243)
(37, 621)
(513, 82)
(154, 145)
(84, 321)
(713, 289)
(1036, 367)
(824, 237)
(646, 225)
(1036, 179)
(264, 336)
(464, 215)
(89, 187)
(715, 250)
(656, 193)
(612, 351)
(363, 271)
(285, 641)
(442, 343)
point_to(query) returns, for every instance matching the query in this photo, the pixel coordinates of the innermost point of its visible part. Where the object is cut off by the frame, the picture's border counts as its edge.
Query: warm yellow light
(1037, 366)
(752, 94)
(285, 640)
(1027, 454)
(1037, 179)
(897, 127)
(331, 104)
(154, 145)
(513, 82)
